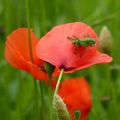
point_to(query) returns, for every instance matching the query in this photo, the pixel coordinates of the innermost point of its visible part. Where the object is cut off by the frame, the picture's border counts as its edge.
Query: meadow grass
(17, 87)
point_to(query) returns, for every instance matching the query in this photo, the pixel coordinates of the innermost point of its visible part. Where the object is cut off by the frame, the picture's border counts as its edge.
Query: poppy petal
(19, 41)
(57, 49)
(14, 58)
(75, 93)
(89, 60)
(17, 53)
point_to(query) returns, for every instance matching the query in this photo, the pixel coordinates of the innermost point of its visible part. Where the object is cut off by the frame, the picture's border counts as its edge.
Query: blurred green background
(16, 87)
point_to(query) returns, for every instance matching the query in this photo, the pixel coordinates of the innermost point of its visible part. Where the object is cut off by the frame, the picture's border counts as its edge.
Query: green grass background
(17, 87)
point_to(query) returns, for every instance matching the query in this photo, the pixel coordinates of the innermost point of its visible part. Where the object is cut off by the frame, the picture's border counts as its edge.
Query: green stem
(20, 96)
(19, 14)
(42, 100)
(31, 56)
(42, 16)
(7, 17)
(114, 101)
(28, 25)
(36, 98)
(56, 7)
(50, 82)
(113, 94)
(50, 96)
(58, 83)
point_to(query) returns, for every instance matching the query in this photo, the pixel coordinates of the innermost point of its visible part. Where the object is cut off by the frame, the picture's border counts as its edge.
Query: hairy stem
(58, 83)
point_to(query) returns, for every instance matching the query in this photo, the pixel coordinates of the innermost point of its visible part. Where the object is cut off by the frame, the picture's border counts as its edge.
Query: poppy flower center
(66, 68)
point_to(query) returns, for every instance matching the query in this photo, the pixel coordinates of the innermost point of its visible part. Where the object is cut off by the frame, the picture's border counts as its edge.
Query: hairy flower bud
(105, 40)
(105, 100)
(61, 108)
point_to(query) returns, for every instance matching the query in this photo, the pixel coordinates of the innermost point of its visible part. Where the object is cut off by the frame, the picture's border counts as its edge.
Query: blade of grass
(31, 55)
(103, 20)
(42, 16)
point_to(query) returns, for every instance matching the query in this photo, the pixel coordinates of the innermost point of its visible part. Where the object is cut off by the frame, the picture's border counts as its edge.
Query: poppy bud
(77, 114)
(61, 108)
(115, 69)
(105, 40)
(105, 100)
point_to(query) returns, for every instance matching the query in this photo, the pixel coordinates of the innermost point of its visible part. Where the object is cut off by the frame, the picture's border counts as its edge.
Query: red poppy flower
(17, 53)
(57, 49)
(75, 93)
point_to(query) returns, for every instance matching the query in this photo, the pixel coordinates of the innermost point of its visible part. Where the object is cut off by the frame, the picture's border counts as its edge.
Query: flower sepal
(49, 68)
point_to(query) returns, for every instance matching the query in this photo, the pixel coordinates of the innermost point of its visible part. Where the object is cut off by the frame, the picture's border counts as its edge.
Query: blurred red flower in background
(57, 49)
(75, 93)
(17, 53)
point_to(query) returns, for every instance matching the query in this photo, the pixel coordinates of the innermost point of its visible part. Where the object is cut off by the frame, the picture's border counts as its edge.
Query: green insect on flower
(83, 42)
